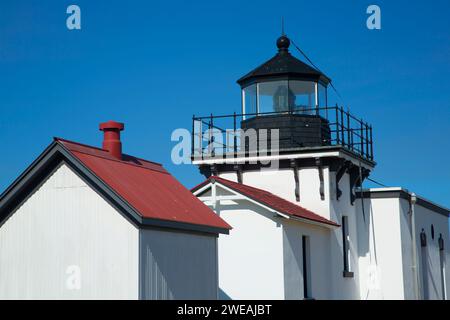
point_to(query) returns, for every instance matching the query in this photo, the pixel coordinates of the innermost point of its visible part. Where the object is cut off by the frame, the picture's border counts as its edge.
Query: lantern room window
(305, 100)
(322, 95)
(296, 96)
(249, 99)
(273, 96)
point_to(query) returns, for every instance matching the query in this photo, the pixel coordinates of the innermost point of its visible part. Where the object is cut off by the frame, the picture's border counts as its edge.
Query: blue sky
(153, 64)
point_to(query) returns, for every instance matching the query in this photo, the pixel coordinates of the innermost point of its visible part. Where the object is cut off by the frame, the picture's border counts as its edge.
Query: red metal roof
(146, 186)
(264, 197)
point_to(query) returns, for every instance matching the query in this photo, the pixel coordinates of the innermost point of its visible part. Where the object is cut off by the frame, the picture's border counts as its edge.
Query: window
(306, 268)
(282, 96)
(424, 256)
(442, 262)
(274, 96)
(249, 97)
(346, 248)
(323, 102)
(303, 98)
(322, 96)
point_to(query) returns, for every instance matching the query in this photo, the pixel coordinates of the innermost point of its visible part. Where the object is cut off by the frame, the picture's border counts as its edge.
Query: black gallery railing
(221, 136)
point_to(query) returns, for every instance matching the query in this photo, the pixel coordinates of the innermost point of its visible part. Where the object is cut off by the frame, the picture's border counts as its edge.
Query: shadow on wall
(178, 265)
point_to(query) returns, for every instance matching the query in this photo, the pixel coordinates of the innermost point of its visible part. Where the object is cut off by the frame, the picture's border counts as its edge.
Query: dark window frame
(306, 265)
(346, 248)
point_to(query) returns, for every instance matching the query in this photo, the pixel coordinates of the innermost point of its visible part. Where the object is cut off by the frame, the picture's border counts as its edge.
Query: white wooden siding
(65, 223)
(178, 265)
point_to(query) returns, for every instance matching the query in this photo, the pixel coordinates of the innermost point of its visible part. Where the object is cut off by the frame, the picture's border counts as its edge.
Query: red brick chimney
(111, 138)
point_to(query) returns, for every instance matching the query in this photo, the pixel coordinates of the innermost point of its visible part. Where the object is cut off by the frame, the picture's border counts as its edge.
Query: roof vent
(111, 138)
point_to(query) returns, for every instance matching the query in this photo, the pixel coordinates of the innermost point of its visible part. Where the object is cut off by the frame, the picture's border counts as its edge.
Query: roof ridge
(101, 149)
(110, 158)
(78, 143)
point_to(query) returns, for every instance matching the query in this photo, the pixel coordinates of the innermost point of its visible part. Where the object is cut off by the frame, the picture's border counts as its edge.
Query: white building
(88, 223)
(302, 226)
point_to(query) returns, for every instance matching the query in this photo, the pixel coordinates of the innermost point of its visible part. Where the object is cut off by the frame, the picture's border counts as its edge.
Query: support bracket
(294, 167)
(321, 188)
(343, 168)
(356, 179)
(213, 170)
(238, 169)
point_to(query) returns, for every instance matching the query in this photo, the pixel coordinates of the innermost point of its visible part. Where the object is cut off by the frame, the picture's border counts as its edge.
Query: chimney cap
(111, 125)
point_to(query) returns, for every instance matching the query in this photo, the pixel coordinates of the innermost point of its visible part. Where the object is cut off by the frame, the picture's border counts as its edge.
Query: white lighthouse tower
(286, 173)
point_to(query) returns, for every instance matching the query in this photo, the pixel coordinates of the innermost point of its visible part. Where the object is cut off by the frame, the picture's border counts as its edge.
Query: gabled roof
(268, 199)
(142, 189)
(284, 64)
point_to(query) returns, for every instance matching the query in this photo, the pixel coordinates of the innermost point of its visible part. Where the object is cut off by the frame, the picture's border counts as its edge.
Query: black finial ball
(283, 43)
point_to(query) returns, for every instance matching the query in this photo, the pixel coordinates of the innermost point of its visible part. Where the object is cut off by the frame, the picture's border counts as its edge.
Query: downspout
(412, 202)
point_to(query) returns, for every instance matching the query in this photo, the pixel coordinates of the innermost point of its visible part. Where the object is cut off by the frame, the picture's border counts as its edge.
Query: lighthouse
(318, 150)
(286, 171)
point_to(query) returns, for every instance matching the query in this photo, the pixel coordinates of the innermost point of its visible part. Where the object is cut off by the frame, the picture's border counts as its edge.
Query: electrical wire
(312, 63)
(378, 183)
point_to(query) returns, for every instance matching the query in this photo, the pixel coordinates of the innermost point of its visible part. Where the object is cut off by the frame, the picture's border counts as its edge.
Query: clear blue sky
(152, 64)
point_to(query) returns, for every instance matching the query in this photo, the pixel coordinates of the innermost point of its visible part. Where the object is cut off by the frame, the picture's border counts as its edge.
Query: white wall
(379, 237)
(321, 268)
(65, 223)
(424, 219)
(344, 287)
(281, 182)
(327, 241)
(380, 244)
(386, 250)
(261, 258)
(251, 256)
(178, 265)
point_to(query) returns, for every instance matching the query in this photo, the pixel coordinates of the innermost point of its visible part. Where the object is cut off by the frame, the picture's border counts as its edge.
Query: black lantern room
(287, 94)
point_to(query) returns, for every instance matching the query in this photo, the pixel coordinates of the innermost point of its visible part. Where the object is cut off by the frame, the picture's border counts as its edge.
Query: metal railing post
(234, 136)
(192, 137)
(367, 140)
(348, 130)
(342, 126)
(210, 125)
(371, 144)
(361, 138)
(337, 124)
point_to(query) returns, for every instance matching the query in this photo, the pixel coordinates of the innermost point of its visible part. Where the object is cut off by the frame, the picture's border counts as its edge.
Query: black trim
(423, 238)
(306, 266)
(290, 151)
(345, 247)
(441, 242)
(166, 224)
(403, 194)
(213, 169)
(347, 274)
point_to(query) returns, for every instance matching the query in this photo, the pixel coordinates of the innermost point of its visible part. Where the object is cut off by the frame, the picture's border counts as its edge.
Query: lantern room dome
(283, 66)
